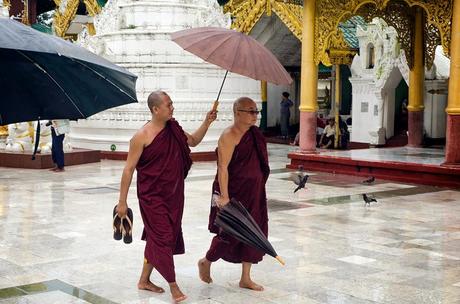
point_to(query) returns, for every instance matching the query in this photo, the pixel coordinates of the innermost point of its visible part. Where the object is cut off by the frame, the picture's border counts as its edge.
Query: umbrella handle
(222, 85)
(280, 260)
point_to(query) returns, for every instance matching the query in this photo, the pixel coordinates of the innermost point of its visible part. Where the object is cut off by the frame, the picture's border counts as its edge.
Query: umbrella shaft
(222, 85)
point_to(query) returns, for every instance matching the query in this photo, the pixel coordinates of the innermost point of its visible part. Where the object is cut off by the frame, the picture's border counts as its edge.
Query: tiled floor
(426, 156)
(56, 241)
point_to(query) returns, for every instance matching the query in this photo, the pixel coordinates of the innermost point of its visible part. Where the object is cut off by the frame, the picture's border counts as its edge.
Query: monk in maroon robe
(160, 153)
(242, 173)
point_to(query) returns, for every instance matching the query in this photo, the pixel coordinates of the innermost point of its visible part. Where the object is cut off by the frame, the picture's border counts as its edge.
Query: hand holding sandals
(123, 222)
(122, 209)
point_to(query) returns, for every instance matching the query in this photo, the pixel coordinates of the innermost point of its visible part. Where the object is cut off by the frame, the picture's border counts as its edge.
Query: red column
(453, 106)
(415, 128)
(307, 141)
(453, 141)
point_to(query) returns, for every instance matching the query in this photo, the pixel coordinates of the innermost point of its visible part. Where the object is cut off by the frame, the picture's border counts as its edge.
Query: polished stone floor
(56, 241)
(426, 156)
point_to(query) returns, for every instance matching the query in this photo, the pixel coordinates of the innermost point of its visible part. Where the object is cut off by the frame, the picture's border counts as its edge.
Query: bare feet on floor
(204, 268)
(150, 286)
(176, 293)
(251, 285)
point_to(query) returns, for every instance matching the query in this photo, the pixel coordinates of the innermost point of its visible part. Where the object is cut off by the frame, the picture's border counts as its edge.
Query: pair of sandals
(123, 226)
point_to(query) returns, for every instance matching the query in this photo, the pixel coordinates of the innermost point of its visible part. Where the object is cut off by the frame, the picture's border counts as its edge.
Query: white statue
(44, 145)
(20, 137)
(3, 136)
(4, 10)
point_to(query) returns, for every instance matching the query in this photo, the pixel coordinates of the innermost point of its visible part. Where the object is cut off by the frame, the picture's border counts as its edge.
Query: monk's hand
(222, 201)
(210, 117)
(122, 209)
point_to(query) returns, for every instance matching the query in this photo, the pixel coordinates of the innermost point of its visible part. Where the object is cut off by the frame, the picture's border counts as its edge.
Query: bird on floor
(368, 200)
(300, 179)
(369, 181)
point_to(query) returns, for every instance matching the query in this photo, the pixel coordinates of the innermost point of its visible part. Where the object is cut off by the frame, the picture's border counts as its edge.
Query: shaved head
(243, 102)
(155, 99)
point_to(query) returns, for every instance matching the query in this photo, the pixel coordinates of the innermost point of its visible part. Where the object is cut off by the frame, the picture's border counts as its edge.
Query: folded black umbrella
(235, 220)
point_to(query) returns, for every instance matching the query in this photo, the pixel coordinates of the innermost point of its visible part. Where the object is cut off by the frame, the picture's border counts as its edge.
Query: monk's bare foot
(176, 293)
(249, 284)
(150, 286)
(204, 267)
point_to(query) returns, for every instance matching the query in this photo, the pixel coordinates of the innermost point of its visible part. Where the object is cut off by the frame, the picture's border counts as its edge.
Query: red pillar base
(307, 132)
(415, 126)
(453, 141)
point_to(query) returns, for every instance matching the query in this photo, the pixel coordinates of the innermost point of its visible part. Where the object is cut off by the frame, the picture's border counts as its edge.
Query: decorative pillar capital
(415, 108)
(453, 110)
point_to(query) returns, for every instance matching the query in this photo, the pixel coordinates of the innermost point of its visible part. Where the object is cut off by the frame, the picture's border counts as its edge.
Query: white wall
(434, 120)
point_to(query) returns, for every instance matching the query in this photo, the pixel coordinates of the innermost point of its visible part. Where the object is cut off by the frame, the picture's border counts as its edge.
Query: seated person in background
(319, 130)
(327, 138)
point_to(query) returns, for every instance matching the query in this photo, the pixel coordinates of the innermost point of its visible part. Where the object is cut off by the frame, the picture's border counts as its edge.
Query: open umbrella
(234, 219)
(234, 51)
(45, 77)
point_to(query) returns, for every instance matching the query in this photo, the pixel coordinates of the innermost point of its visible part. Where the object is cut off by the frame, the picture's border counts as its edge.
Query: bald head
(155, 99)
(243, 102)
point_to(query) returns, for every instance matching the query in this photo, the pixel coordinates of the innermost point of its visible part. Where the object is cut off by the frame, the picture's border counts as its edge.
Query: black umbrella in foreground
(234, 219)
(45, 77)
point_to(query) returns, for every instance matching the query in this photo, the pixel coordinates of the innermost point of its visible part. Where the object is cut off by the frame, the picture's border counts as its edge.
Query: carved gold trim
(245, 13)
(330, 13)
(290, 15)
(25, 13)
(92, 7)
(91, 29)
(62, 20)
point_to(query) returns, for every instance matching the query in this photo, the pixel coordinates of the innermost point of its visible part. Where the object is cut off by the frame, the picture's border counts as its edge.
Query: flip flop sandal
(117, 225)
(127, 227)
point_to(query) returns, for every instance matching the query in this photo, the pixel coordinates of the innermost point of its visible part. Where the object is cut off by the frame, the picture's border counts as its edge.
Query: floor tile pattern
(56, 241)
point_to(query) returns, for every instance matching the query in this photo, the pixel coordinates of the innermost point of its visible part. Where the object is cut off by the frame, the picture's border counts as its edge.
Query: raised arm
(196, 137)
(226, 146)
(136, 146)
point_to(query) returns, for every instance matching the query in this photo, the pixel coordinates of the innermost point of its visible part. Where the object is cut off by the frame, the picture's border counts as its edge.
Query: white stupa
(136, 35)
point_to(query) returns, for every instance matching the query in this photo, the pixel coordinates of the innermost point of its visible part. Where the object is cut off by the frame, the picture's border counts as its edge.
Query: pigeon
(368, 200)
(369, 181)
(299, 179)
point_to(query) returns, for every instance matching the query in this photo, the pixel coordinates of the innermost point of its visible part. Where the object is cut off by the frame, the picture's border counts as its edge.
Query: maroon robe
(161, 171)
(248, 172)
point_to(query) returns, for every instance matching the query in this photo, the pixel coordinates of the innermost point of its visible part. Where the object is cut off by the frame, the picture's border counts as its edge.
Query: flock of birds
(300, 179)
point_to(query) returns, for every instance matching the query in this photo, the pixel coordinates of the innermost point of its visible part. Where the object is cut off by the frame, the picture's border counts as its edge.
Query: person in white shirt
(327, 139)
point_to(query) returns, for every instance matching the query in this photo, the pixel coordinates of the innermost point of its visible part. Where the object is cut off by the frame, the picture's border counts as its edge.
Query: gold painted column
(263, 95)
(309, 80)
(453, 105)
(416, 85)
(337, 105)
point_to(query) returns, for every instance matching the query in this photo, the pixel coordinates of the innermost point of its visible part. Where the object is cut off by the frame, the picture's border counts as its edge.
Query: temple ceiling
(330, 13)
(274, 34)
